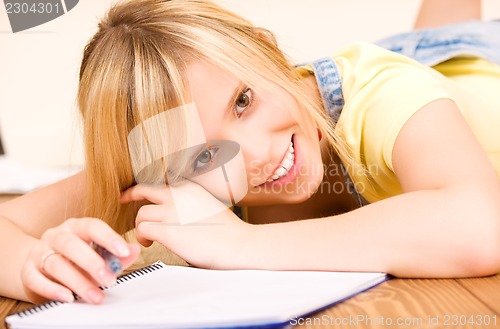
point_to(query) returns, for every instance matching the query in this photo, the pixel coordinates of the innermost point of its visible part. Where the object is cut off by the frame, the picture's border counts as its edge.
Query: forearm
(411, 235)
(35, 212)
(24, 219)
(14, 248)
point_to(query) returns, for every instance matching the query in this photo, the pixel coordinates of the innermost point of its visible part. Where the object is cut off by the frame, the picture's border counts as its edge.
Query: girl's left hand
(189, 221)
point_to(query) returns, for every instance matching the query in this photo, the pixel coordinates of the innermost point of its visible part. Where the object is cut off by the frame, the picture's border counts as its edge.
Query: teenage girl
(369, 160)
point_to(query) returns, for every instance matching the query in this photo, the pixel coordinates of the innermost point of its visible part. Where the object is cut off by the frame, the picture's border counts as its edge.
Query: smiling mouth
(286, 164)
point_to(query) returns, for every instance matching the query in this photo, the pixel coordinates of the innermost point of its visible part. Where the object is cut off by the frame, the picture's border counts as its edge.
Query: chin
(299, 198)
(292, 194)
(273, 200)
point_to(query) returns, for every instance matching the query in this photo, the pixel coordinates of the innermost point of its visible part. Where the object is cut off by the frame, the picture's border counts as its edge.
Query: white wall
(39, 67)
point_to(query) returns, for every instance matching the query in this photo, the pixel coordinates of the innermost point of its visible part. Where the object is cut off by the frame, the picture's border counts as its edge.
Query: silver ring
(45, 257)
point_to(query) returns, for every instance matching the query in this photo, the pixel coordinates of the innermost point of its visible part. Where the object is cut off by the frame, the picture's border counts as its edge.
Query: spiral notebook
(162, 296)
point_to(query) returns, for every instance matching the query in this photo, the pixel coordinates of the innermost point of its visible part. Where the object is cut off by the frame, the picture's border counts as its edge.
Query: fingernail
(107, 279)
(121, 249)
(64, 296)
(95, 296)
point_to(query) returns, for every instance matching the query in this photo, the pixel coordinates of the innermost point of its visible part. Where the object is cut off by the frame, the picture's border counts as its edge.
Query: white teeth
(285, 166)
(281, 171)
(287, 163)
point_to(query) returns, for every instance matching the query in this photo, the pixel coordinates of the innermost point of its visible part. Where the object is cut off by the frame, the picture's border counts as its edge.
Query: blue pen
(112, 262)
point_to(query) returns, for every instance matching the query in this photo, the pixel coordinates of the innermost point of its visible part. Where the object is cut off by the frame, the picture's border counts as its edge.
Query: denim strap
(330, 85)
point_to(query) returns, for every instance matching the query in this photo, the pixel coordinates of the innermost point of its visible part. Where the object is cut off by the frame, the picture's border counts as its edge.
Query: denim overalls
(434, 46)
(427, 46)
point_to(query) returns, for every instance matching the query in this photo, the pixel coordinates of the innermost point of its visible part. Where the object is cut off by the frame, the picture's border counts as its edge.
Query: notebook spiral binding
(38, 308)
(126, 277)
(137, 273)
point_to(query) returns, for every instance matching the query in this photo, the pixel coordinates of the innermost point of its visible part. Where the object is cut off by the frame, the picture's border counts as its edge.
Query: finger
(144, 234)
(74, 245)
(151, 213)
(67, 274)
(81, 253)
(154, 214)
(156, 194)
(135, 251)
(96, 230)
(44, 288)
(147, 213)
(157, 213)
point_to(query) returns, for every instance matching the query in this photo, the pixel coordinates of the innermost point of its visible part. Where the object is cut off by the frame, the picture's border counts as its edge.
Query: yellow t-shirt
(382, 90)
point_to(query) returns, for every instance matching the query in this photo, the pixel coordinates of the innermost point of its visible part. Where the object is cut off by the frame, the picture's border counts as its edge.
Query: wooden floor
(397, 303)
(420, 303)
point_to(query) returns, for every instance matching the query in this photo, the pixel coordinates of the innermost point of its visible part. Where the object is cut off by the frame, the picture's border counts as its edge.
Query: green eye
(204, 157)
(243, 101)
(205, 160)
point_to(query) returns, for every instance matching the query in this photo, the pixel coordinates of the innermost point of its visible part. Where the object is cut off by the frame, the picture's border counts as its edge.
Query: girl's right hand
(63, 261)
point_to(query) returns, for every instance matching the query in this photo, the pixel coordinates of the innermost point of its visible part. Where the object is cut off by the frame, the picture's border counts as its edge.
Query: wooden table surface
(397, 303)
(411, 303)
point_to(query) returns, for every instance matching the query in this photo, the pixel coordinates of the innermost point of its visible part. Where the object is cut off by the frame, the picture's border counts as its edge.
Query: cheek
(209, 125)
(274, 100)
(281, 105)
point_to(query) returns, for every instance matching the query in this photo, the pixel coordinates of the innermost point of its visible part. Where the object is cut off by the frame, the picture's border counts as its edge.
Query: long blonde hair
(133, 69)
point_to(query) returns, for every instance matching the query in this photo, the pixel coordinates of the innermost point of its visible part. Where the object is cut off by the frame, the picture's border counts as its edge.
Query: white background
(39, 121)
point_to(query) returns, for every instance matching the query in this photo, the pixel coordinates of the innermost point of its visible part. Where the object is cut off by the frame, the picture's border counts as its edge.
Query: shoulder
(380, 84)
(366, 67)
(381, 91)
(361, 52)
(366, 59)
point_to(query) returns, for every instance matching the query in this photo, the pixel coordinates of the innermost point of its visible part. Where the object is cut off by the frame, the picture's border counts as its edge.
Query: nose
(263, 141)
(256, 149)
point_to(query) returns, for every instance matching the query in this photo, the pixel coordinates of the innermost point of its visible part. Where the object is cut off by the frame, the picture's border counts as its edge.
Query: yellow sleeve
(382, 90)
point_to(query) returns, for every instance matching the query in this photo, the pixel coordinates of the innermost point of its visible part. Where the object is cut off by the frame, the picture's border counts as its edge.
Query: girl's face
(282, 158)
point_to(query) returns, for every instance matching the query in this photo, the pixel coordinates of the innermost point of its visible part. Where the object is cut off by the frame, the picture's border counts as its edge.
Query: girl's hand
(63, 262)
(189, 221)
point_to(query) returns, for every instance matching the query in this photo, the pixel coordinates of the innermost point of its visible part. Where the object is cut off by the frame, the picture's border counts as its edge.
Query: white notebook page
(184, 297)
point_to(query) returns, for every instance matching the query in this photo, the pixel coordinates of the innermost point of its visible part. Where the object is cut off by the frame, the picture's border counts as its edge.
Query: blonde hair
(133, 69)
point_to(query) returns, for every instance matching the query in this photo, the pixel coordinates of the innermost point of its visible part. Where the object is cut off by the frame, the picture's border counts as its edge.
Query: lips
(287, 170)
(285, 165)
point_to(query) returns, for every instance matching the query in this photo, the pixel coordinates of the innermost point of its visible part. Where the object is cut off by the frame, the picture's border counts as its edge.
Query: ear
(265, 35)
